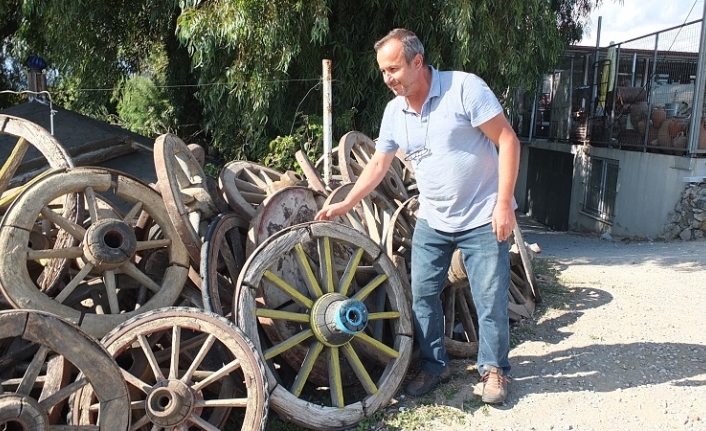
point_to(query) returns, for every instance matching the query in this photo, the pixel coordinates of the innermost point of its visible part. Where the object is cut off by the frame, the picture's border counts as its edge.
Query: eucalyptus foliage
(238, 73)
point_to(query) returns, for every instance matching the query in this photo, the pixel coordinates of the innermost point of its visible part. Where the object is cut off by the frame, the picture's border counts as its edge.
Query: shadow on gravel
(610, 367)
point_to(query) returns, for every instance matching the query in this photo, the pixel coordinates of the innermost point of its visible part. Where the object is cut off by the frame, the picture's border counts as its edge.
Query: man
(466, 157)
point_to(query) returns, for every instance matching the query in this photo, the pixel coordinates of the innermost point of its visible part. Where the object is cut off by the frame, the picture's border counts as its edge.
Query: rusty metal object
(41, 355)
(105, 286)
(284, 208)
(319, 323)
(187, 368)
(245, 185)
(186, 194)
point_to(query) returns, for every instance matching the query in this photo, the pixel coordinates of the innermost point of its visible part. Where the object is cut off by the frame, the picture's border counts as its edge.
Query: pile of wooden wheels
(200, 303)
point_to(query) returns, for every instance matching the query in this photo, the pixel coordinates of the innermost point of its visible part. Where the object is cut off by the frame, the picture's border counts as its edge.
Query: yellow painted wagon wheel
(316, 323)
(105, 285)
(187, 369)
(38, 351)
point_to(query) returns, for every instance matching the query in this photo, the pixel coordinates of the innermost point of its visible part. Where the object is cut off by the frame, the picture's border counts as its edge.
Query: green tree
(236, 73)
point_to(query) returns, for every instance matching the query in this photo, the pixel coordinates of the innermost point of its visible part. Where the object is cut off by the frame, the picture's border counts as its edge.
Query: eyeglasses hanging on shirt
(422, 153)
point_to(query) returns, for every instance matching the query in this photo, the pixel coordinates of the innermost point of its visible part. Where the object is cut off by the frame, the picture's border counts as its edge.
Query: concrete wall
(649, 187)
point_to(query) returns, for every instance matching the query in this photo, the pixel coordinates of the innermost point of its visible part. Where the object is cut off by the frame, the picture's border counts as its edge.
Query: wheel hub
(169, 403)
(336, 319)
(109, 244)
(20, 412)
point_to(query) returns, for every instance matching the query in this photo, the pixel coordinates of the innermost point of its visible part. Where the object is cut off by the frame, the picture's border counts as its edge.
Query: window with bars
(601, 188)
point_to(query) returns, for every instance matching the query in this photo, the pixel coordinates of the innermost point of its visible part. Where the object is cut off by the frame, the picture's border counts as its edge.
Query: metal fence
(634, 95)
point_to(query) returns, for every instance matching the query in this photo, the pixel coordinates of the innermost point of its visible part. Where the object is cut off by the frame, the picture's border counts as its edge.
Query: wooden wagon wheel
(105, 287)
(284, 208)
(182, 183)
(188, 369)
(222, 258)
(39, 351)
(318, 323)
(245, 185)
(354, 152)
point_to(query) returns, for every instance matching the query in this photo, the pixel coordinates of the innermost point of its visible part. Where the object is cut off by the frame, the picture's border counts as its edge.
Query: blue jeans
(487, 264)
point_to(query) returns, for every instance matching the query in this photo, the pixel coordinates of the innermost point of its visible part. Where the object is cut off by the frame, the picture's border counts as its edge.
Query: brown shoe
(424, 382)
(494, 385)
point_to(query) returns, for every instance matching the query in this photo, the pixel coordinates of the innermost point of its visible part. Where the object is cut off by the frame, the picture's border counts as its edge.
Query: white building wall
(649, 187)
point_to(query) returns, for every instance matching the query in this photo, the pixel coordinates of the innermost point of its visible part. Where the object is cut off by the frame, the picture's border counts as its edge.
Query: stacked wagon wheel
(214, 298)
(104, 284)
(326, 310)
(46, 362)
(186, 369)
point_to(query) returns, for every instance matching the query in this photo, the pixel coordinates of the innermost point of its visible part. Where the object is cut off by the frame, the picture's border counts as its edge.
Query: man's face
(399, 75)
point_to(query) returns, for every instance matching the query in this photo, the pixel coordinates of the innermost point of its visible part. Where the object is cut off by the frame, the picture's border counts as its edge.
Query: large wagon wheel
(222, 259)
(39, 352)
(188, 369)
(245, 185)
(354, 152)
(106, 286)
(326, 369)
(182, 183)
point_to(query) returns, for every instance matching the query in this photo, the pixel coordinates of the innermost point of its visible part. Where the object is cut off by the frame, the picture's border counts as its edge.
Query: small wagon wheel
(319, 322)
(284, 208)
(222, 258)
(354, 152)
(105, 286)
(38, 351)
(188, 369)
(245, 185)
(182, 183)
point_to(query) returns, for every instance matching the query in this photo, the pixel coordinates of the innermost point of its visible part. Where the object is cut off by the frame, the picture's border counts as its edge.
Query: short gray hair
(410, 43)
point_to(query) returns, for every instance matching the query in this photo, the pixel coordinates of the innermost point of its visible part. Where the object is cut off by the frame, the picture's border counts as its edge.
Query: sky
(637, 18)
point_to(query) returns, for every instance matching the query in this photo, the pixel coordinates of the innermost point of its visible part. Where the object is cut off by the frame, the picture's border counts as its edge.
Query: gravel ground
(621, 345)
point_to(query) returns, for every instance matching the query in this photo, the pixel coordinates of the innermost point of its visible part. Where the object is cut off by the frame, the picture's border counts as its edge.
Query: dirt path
(622, 348)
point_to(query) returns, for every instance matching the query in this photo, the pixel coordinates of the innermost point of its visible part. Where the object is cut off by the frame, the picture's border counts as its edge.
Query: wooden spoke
(75, 230)
(152, 244)
(55, 253)
(200, 356)
(332, 270)
(312, 355)
(30, 376)
(335, 381)
(359, 369)
(311, 280)
(223, 375)
(288, 289)
(286, 345)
